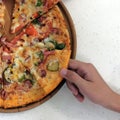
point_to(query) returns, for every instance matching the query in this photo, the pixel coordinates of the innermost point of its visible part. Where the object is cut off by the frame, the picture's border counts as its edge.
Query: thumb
(73, 77)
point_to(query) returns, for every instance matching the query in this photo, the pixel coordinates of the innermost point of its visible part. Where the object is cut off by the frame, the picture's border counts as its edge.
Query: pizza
(27, 10)
(2, 13)
(30, 63)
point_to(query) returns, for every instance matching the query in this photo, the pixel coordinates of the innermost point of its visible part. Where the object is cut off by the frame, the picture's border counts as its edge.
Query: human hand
(83, 79)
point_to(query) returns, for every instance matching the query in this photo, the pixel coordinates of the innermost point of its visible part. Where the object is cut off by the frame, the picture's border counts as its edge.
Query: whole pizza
(30, 63)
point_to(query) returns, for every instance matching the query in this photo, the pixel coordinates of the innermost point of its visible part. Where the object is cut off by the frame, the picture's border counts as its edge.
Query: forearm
(113, 102)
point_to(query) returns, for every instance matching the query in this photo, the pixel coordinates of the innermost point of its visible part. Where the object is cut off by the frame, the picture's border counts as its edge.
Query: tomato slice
(35, 15)
(31, 30)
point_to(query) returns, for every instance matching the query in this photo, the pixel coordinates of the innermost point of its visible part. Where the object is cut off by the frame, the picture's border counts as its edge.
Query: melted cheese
(2, 13)
(28, 9)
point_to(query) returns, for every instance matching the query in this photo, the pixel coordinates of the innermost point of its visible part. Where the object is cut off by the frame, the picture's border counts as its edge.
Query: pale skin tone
(84, 80)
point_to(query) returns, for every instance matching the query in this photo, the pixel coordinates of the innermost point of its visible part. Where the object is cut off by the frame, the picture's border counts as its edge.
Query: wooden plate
(72, 33)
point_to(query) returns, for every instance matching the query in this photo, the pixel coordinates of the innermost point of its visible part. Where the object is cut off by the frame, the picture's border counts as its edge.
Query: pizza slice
(27, 10)
(2, 13)
(58, 51)
(22, 87)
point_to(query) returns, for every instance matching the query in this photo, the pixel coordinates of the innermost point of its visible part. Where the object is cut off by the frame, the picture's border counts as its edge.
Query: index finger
(75, 65)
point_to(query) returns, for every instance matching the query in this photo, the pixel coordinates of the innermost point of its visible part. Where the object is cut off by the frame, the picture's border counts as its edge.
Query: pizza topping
(6, 80)
(9, 45)
(31, 31)
(52, 44)
(13, 73)
(53, 65)
(40, 45)
(6, 49)
(43, 73)
(47, 53)
(4, 94)
(42, 18)
(35, 40)
(4, 42)
(27, 58)
(22, 18)
(6, 57)
(39, 3)
(40, 55)
(9, 62)
(25, 86)
(22, 78)
(47, 4)
(17, 38)
(27, 76)
(36, 21)
(22, 1)
(35, 15)
(37, 63)
(60, 46)
(27, 83)
(55, 30)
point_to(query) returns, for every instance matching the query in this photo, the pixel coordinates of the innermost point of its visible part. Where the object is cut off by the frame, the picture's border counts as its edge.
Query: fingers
(79, 97)
(86, 70)
(75, 91)
(72, 87)
(79, 67)
(74, 65)
(73, 77)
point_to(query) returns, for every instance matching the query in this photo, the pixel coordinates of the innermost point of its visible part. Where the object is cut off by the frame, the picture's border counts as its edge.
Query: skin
(84, 80)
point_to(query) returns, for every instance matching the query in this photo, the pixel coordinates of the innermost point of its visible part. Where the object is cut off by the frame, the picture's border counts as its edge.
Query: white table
(97, 25)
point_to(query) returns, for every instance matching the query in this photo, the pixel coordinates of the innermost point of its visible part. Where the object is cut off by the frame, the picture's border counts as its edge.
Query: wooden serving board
(72, 34)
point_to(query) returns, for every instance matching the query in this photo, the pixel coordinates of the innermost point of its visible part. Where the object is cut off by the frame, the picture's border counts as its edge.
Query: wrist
(113, 102)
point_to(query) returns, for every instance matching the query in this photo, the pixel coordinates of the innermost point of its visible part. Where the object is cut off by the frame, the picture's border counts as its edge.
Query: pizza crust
(21, 98)
(54, 78)
(2, 21)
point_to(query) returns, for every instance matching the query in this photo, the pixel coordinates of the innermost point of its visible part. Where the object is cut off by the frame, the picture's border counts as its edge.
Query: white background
(97, 24)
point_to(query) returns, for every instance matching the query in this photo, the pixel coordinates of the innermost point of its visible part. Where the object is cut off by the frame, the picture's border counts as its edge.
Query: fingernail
(63, 72)
(75, 92)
